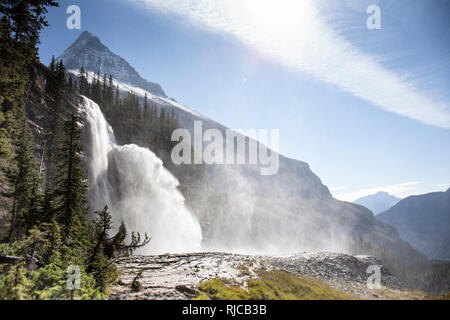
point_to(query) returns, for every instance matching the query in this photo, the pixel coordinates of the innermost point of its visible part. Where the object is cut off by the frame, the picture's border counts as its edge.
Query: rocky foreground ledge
(178, 277)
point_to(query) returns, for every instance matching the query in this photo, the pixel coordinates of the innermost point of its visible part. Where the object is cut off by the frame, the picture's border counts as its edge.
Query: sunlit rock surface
(178, 276)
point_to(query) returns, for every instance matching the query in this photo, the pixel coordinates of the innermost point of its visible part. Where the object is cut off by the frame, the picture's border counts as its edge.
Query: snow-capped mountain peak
(378, 202)
(89, 52)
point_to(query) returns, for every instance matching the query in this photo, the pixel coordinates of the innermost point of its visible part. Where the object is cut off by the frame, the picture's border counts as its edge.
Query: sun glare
(278, 17)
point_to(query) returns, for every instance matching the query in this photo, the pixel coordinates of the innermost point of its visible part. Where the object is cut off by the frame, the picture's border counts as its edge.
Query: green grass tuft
(271, 285)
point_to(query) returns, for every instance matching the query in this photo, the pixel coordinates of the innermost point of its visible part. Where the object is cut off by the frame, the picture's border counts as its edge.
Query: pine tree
(106, 248)
(117, 99)
(173, 120)
(104, 89)
(47, 208)
(162, 117)
(99, 262)
(53, 64)
(110, 90)
(33, 215)
(70, 193)
(24, 182)
(84, 84)
(27, 19)
(146, 110)
(52, 250)
(13, 74)
(163, 124)
(103, 224)
(153, 113)
(97, 94)
(137, 108)
(58, 93)
(70, 84)
(118, 241)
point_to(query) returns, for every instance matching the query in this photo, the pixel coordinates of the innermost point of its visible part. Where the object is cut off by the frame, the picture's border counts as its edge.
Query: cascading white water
(138, 190)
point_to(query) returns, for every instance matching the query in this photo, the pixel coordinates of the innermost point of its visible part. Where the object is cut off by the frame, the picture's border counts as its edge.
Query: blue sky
(369, 110)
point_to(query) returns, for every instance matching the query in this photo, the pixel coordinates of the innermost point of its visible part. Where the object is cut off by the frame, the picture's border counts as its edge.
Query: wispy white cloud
(295, 33)
(400, 190)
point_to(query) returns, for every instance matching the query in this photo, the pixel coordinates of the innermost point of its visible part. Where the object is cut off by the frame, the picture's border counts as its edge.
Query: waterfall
(137, 188)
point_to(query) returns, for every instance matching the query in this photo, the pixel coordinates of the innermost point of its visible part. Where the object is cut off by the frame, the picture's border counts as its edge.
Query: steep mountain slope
(90, 53)
(424, 221)
(378, 202)
(239, 210)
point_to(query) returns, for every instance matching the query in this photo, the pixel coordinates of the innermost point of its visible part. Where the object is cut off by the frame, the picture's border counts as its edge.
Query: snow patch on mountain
(126, 87)
(89, 52)
(378, 202)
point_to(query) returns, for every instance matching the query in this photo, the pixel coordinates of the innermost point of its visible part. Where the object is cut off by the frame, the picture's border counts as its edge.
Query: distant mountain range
(423, 221)
(378, 202)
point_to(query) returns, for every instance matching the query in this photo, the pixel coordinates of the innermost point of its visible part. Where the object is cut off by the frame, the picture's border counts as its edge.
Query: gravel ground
(175, 277)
